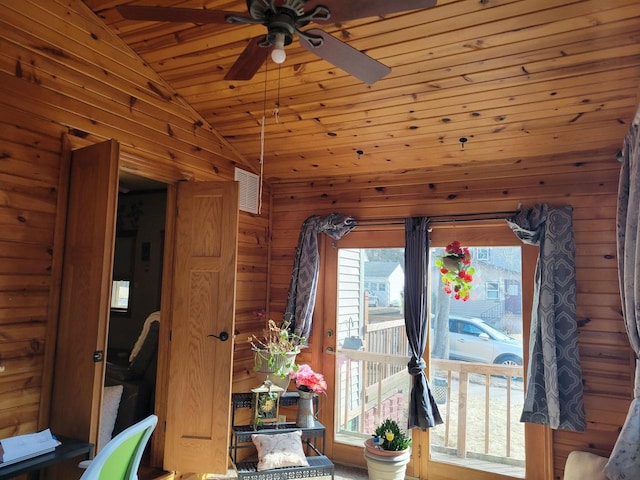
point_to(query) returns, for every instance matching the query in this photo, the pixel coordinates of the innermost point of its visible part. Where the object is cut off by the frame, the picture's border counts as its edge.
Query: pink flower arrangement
(307, 380)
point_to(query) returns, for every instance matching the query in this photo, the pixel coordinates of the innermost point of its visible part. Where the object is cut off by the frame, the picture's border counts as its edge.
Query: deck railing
(483, 374)
(383, 370)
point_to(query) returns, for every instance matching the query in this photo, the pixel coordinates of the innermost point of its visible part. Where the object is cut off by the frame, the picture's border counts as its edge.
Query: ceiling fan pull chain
(276, 111)
(264, 119)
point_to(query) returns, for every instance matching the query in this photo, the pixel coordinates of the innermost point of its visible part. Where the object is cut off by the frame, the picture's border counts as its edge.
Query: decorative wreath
(457, 272)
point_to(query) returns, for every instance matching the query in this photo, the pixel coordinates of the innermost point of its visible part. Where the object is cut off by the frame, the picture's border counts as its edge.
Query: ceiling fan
(284, 20)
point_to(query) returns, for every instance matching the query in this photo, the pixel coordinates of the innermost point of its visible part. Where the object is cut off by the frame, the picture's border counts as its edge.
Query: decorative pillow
(110, 403)
(280, 450)
(585, 466)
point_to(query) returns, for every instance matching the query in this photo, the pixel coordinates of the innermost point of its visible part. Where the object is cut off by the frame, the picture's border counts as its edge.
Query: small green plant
(394, 438)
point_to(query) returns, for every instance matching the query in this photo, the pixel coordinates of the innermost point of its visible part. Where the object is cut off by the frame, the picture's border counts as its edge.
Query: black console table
(313, 439)
(69, 448)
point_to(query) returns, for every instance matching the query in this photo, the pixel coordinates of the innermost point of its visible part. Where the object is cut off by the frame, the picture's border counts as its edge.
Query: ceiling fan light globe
(278, 55)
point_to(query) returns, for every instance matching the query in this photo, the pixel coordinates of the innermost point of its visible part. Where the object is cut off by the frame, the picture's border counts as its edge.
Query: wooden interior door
(202, 305)
(85, 292)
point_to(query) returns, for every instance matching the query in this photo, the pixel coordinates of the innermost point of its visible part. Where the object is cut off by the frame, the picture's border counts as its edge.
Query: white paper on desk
(26, 446)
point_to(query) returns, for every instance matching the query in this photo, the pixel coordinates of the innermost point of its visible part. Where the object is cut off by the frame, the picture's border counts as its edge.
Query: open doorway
(132, 345)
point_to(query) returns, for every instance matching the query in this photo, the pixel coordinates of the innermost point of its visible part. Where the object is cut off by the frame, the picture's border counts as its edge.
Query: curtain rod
(461, 217)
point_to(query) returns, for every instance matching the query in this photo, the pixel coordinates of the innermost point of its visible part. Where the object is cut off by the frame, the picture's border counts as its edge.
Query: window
(482, 254)
(366, 333)
(123, 266)
(120, 295)
(492, 290)
(469, 329)
(477, 367)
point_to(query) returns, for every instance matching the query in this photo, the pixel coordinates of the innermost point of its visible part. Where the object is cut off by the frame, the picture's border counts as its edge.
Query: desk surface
(70, 448)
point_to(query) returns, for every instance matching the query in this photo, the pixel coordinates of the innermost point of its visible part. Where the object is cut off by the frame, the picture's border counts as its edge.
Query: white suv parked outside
(473, 340)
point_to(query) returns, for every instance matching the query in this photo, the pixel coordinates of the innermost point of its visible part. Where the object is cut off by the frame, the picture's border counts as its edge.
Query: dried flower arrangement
(277, 348)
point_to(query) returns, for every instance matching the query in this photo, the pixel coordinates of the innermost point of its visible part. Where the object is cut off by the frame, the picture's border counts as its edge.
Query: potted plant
(388, 452)
(275, 353)
(456, 270)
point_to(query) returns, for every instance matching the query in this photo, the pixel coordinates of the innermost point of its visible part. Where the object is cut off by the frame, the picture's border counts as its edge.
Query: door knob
(223, 336)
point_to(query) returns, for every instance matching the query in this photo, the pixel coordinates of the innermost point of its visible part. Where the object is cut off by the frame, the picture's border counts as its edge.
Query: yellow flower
(389, 435)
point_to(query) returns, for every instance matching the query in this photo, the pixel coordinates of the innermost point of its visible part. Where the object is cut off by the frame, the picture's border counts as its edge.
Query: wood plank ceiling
(532, 83)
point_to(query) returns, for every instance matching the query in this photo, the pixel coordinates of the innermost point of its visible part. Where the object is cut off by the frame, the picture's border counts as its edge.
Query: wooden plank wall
(59, 76)
(63, 73)
(590, 187)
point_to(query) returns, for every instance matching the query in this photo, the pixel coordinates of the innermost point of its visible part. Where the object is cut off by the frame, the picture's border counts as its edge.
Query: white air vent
(249, 190)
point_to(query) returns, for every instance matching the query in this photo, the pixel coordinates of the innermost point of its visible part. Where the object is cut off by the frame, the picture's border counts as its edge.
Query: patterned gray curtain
(304, 278)
(423, 410)
(554, 378)
(624, 462)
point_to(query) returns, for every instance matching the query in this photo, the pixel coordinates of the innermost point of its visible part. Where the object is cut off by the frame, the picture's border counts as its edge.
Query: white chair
(120, 458)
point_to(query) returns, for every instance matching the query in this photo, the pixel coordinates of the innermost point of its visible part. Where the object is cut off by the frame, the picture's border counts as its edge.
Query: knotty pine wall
(589, 186)
(62, 73)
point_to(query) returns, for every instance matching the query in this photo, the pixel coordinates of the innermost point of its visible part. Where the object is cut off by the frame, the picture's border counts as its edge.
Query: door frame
(55, 292)
(158, 439)
(538, 438)
(69, 145)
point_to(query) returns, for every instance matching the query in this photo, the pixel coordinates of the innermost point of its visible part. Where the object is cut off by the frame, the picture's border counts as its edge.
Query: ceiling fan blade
(249, 61)
(173, 14)
(342, 10)
(346, 57)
